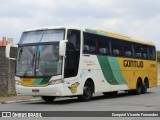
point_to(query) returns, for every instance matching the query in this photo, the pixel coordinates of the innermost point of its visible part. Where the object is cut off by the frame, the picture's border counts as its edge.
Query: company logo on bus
(133, 63)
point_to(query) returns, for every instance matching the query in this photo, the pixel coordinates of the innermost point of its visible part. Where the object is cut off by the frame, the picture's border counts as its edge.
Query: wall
(7, 70)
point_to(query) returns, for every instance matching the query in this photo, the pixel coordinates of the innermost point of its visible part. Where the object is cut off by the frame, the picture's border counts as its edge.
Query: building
(6, 41)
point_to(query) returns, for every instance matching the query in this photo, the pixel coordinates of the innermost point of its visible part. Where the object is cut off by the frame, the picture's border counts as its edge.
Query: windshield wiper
(33, 60)
(38, 58)
(20, 54)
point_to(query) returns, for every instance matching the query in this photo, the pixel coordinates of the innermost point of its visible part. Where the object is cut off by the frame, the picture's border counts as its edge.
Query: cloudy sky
(139, 19)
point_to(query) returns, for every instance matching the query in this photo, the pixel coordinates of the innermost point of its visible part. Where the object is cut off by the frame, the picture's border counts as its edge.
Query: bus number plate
(35, 90)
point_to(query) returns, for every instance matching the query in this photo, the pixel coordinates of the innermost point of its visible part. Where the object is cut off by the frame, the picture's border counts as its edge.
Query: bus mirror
(8, 51)
(62, 48)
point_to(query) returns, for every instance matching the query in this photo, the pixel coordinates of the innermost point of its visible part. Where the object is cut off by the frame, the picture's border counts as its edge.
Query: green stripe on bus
(91, 31)
(102, 33)
(96, 32)
(111, 70)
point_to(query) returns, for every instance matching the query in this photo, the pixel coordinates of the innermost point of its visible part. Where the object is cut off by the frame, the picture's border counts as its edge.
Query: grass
(7, 94)
(158, 78)
(3, 102)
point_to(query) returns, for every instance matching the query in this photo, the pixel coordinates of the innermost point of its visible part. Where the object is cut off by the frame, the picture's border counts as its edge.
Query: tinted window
(89, 43)
(121, 48)
(140, 51)
(103, 45)
(152, 53)
(128, 51)
(72, 53)
(73, 36)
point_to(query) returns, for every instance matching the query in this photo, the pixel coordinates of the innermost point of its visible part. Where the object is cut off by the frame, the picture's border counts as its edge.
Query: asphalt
(122, 102)
(18, 99)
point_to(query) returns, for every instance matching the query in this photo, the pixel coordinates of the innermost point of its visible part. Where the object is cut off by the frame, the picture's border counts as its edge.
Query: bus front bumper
(51, 90)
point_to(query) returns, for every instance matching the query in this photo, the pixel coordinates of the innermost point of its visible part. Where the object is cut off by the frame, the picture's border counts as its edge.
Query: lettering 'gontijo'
(131, 63)
(70, 61)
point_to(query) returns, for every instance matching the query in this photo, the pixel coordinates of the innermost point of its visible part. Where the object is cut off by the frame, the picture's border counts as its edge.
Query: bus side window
(152, 54)
(141, 51)
(104, 51)
(144, 52)
(116, 52)
(89, 45)
(138, 55)
(128, 54)
(128, 49)
(103, 45)
(117, 47)
(85, 48)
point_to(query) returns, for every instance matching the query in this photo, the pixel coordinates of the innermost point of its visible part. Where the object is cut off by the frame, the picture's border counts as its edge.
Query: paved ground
(122, 102)
(22, 98)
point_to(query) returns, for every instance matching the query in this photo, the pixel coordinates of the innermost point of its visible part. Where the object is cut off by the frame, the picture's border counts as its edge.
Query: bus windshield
(39, 61)
(42, 36)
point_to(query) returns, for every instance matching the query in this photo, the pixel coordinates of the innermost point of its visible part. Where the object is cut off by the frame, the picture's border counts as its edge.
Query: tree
(158, 56)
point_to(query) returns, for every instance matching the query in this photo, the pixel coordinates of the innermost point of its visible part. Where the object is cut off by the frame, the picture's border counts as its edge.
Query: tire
(87, 92)
(110, 94)
(138, 90)
(48, 98)
(144, 87)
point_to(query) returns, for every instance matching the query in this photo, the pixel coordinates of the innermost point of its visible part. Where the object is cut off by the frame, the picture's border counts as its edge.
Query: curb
(20, 101)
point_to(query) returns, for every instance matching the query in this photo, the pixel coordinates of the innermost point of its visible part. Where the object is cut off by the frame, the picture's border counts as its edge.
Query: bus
(74, 61)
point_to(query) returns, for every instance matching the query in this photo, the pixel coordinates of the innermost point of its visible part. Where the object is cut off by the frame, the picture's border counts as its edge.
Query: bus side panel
(138, 69)
(153, 74)
(112, 73)
(90, 68)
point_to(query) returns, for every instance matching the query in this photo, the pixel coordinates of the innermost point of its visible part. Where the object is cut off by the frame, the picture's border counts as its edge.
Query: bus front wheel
(48, 98)
(87, 92)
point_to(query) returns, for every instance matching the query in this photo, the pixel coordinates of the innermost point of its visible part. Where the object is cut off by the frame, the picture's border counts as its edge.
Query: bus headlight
(53, 82)
(18, 82)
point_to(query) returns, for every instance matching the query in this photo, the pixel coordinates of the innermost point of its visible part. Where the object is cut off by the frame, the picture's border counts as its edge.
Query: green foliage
(3, 102)
(158, 56)
(7, 94)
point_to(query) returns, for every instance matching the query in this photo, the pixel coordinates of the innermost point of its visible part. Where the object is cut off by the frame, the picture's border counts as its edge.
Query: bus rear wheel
(48, 98)
(138, 90)
(145, 86)
(87, 92)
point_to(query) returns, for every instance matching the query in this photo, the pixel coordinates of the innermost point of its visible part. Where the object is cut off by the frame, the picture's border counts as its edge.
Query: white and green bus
(74, 61)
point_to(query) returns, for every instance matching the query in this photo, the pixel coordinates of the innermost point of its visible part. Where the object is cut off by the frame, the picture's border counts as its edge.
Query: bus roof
(98, 32)
(118, 36)
(54, 27)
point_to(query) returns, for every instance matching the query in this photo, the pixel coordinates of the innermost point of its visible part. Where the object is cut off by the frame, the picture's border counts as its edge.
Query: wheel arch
(91, 81)
(139, 80)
